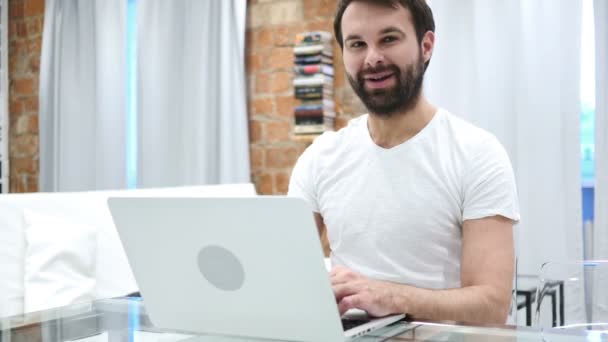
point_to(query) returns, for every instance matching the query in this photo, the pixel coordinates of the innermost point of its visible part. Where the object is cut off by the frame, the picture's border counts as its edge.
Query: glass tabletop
(125, 319)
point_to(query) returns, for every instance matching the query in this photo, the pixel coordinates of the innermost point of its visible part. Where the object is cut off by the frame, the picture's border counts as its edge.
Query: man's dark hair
(420, 10)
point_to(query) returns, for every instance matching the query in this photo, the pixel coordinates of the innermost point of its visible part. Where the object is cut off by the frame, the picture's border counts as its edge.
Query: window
(588, 109)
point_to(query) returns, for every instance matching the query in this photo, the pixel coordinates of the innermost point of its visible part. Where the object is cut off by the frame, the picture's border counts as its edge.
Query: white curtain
(192, 115)
(512, 67)
(600, 312)
(82, 95)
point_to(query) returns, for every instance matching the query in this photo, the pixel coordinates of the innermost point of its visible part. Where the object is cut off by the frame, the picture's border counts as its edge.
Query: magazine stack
(314, 83)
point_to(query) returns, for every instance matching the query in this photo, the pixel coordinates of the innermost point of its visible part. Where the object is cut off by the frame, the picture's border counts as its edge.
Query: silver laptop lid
(230, 266)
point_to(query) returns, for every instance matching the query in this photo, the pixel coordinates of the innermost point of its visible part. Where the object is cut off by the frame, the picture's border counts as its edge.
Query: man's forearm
(478, 304)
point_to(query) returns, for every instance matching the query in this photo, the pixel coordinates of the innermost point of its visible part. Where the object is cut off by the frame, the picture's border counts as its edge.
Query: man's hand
(352, 290)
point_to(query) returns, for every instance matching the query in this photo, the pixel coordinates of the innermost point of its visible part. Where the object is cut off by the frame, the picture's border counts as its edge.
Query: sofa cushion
(11, 258)
(112, 272)
(59, 266)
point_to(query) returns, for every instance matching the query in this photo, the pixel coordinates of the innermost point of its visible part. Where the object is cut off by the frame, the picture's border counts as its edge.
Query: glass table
(125, 319)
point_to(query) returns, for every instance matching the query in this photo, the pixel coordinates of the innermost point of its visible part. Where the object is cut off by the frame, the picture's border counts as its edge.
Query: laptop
(248, 267)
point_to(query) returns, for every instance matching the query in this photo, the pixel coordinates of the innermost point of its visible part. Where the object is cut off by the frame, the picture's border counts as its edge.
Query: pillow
(11, 257)
(59, 261)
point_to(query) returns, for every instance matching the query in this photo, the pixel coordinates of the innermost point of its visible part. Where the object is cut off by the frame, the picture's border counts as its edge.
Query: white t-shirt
(396, 214)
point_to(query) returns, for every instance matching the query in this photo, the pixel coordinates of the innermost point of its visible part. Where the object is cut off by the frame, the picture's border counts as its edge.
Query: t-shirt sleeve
(489, 187)
(301, 183)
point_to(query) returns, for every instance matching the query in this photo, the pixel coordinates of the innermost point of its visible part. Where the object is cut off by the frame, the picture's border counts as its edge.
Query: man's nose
(374, 57)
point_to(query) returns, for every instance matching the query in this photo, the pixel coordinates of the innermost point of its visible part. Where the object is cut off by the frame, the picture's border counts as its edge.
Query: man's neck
(388, 132)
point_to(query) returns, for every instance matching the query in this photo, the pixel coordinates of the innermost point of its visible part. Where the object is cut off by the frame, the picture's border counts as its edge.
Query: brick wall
(25, 40)
(271, 29)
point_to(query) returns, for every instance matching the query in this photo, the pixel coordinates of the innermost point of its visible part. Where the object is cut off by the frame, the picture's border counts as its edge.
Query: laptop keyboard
(351, 323)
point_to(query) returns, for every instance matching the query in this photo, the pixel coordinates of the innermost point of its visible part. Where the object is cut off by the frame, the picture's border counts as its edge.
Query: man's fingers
(336, 270)
(344, 290)
(341, 275)
(349, 302)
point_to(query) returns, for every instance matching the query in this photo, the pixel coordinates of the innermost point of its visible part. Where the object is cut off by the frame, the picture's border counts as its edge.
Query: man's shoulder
(466, 134)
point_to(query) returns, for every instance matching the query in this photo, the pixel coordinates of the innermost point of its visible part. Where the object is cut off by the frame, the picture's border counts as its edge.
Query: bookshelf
(313, 85)
(4, 122)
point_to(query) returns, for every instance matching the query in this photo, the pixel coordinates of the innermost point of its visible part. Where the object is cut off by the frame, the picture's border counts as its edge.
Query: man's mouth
(381, 76)
(379, 80)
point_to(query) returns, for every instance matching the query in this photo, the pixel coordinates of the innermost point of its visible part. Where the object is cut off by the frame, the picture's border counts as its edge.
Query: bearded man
(419, 205)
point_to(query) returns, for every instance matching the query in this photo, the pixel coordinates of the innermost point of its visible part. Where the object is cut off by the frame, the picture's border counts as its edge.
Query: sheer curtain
(512, 67)
(82, 95)
(192, 115)
(600, 234)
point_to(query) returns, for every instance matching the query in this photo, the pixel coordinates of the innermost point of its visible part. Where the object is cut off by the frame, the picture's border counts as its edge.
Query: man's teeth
(379, 78)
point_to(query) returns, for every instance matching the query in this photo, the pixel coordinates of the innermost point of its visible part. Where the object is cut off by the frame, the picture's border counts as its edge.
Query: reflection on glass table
(125, 319)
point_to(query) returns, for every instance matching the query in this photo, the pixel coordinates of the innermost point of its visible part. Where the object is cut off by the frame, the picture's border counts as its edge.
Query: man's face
(383, 60)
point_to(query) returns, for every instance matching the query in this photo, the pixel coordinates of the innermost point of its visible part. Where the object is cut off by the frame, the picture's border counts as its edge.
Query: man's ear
(427, 45)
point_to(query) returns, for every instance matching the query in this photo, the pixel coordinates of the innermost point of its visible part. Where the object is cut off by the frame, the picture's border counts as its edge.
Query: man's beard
(402, 97)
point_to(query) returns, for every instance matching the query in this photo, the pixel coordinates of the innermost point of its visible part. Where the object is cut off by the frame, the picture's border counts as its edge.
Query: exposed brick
(27, 124)
(22, 125)
(24, 165)
(15, 107)
(285, 35)
(34, 66)
(262, 83)
(249, 41)
(257, 158)
(339, 73)
(274, 13)
(15, 9)
(31, 104)
(263, 38)
(282, 36)
(255, 131)
(20, 29)
(16, 184)
(281, 82)
(281, 182)
(32, 28)
(33, 8)
(24, 145)
(277, 131)
(324, 25)
(264, 184)
(262, 106)
(12, 62)
(253, 63)
(319, 9)
(34, 47)
(270, 75)
(281, 157)
(287, 11)
(281, 58)
(31, 183)
(23, 86)
(285, 106)
(12, 30)
(25, 38)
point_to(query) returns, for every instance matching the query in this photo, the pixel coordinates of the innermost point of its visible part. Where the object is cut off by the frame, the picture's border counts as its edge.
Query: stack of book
(314, 83)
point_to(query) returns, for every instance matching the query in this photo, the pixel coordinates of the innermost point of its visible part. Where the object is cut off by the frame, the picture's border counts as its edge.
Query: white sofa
(59, 248)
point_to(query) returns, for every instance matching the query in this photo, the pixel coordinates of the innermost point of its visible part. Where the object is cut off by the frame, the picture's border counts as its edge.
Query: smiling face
(383, 59)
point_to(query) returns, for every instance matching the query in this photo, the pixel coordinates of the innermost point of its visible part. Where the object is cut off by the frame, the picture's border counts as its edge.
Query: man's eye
(357, 44)
(389, 39)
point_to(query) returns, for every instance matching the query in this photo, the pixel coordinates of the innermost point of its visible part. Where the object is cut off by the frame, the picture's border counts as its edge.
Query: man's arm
(486, 280)
(320, 224)
(322, 230)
